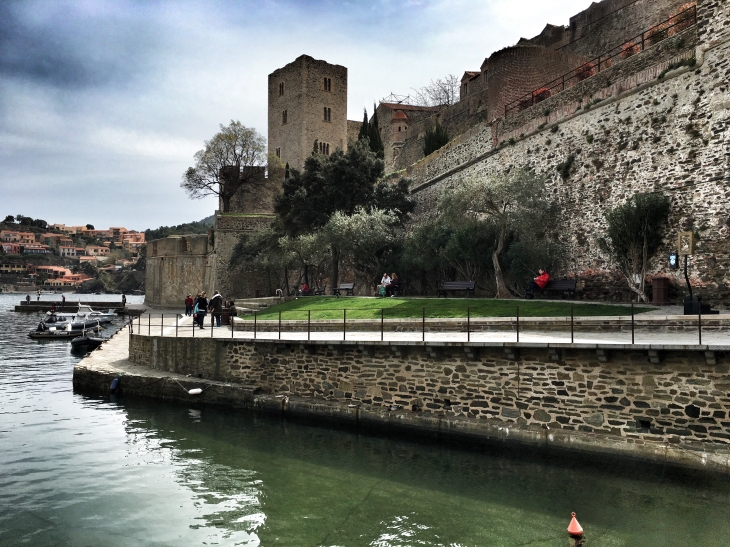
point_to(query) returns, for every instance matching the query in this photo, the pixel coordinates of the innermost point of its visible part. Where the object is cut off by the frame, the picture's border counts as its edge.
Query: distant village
(59, 257)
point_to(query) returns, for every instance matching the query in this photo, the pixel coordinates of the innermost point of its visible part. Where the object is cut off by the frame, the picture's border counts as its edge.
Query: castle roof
(404, 107)
(399, 115)
(470, 75)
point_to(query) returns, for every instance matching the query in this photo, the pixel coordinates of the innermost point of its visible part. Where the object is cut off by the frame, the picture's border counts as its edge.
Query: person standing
(63, 300)
(38, 295)
(27, 300)
(216, 308)
(189, 305)
(124, 299)
(202, 309)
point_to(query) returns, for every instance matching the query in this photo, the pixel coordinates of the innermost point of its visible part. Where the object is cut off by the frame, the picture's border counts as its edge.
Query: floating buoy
(195, 391)
(574, 528)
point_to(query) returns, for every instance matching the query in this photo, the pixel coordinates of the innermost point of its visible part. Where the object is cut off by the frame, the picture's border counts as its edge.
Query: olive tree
(633, 236)
(365, 239)
(227, 163)
(511, 205)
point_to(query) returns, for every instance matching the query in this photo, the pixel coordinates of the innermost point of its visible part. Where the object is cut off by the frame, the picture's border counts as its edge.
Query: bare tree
(227, 163)
(444, 91)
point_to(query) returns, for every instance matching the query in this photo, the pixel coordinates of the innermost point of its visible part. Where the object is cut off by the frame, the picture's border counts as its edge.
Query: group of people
(389, 285)
(199, 306)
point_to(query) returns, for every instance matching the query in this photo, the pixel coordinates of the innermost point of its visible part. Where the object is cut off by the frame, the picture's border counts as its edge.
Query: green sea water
(86, 471)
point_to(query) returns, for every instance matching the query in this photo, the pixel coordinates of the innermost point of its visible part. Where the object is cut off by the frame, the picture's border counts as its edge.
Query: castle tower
(307, 102)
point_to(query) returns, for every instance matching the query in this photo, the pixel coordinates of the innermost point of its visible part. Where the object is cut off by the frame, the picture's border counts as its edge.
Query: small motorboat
(44, 332)
(84, 313)
(86, 342)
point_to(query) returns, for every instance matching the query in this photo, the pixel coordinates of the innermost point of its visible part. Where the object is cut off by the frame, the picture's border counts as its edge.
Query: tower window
(327, 114)
(278, 152)
(324, 148)
(283, 117)
(399, 129)
(281, 88)
(327, 84)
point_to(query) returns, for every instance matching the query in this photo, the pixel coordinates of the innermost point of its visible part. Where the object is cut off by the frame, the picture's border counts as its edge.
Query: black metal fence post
(309, 323)
(149, 324)
(699, 320)
(344, 324)
(423, 326)
(382, 321)
(255, 313)
(468, 323)
(632, 322)
(571, 324)
(212, 323)
(517, 316)
(279, 324)
(162, 324)
(176, 322)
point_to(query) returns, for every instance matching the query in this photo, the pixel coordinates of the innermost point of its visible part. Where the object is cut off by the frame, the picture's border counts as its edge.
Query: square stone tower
(307, 102)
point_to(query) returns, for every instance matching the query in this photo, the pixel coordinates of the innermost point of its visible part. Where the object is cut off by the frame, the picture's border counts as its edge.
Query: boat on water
(85, 316)
(86, 342)
(43, 332)
(56, 321)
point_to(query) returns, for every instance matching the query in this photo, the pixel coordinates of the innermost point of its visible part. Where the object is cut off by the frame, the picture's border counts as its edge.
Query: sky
(103, 104)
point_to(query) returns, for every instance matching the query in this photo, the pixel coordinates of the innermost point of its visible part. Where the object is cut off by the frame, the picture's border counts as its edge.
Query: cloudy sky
(103, 104)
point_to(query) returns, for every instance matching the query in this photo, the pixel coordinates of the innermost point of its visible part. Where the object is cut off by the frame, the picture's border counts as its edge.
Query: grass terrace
(326, 307)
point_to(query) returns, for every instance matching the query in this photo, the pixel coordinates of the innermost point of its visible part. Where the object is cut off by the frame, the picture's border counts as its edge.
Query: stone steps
(247, 306)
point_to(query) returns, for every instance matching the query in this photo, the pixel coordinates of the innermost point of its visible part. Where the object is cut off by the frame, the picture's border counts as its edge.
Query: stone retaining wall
(636, 393)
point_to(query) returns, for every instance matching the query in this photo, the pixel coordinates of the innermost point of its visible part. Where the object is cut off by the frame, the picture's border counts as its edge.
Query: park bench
(560, 286)
(347, 287)
(319, 291)
(457, 286)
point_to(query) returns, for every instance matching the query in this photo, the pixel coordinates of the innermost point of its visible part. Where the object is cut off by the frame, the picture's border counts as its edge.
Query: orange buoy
(574, 528)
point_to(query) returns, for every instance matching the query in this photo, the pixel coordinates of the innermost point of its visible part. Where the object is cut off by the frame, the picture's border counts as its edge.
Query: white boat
(84, 314)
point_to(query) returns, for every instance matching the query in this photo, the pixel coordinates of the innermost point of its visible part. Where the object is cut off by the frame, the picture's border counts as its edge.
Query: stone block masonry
(673, 395)
(670, 135)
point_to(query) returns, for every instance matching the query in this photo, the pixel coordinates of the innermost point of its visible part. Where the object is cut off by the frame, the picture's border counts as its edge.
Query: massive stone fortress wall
(606, 24)
(176, 266)
(670, 135)
(303, 89)
(516, 71)
(675, 396)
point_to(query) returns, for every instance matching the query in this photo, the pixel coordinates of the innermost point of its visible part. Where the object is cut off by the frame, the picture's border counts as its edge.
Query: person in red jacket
(539, 282)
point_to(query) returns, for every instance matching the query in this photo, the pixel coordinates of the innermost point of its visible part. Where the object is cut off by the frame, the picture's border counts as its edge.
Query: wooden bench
(319, 291)
(457, 286)
(560, 286)
(347, 287)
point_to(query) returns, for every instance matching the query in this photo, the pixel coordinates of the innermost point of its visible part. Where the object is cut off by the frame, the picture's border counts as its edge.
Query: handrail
(424, 328)
(658, 33)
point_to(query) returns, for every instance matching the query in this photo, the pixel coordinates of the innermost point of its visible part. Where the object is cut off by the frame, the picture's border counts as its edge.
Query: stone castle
(632, 95)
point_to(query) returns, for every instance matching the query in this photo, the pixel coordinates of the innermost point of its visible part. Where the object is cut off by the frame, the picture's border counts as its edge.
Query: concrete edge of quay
(94, 374)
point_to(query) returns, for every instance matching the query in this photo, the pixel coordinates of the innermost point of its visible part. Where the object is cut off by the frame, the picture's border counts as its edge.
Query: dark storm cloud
(63, 46)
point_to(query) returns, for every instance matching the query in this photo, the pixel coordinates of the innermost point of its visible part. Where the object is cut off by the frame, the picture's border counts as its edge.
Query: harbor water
(84, 471)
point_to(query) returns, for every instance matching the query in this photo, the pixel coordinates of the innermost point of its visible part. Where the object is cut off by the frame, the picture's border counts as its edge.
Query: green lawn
(326, 307)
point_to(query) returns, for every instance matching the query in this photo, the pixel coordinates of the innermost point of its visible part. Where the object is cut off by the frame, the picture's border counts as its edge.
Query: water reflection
(80, 471)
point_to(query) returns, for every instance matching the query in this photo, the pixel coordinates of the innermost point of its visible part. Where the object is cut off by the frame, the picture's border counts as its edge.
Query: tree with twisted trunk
(234, 158)
(512, 204)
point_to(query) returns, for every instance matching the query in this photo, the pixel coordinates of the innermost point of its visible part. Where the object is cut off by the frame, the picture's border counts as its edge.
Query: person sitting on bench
(394, 286)
(539, 282)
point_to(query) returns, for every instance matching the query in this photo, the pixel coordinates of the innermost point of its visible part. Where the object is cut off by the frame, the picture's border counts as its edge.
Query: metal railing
(298, 325)
(658, 33)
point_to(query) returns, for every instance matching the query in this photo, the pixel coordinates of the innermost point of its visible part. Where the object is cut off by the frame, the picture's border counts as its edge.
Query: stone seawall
(675, 396)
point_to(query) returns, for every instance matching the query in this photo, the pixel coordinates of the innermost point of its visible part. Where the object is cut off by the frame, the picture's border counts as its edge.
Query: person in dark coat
(216, 307)
(202, 308)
